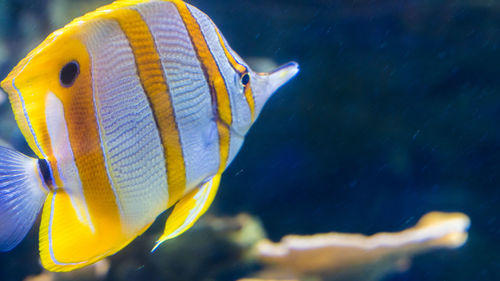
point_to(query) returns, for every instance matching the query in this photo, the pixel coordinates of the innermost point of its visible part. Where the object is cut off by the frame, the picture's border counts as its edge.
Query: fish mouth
(286, 71)
(280, 76)
(265, 84)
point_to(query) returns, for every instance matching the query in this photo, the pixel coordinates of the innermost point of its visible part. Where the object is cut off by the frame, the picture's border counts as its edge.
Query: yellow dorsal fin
(189, 209)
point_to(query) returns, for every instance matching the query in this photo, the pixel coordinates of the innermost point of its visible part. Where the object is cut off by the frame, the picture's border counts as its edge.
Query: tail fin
(22, 194)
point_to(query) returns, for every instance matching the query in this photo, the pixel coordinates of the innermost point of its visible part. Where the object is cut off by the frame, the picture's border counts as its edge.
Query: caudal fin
(22, 194)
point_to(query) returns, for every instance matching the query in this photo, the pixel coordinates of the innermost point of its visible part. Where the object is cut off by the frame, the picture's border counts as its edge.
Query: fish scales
(189, 91)
(135, 164)
(154, 83)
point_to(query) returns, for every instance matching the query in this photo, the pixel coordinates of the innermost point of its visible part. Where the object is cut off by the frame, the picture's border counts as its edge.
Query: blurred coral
(236, 244)
(339, 256)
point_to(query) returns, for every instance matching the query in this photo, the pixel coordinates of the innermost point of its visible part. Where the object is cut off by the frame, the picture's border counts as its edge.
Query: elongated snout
(265, 84)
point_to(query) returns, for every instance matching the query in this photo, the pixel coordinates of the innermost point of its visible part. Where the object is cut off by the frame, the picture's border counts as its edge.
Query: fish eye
(245, 78)
(68, 73)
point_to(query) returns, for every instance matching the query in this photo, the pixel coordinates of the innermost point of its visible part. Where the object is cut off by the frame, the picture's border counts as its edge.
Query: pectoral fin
(189, 209)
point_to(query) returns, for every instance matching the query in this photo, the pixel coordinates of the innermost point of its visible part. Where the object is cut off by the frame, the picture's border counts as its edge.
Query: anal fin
(67, 243)
(189, 209)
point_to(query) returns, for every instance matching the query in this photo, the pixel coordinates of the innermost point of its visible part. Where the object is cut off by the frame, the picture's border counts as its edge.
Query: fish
(131, 109)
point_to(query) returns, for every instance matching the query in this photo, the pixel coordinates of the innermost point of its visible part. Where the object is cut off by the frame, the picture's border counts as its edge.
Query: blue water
(394, 114)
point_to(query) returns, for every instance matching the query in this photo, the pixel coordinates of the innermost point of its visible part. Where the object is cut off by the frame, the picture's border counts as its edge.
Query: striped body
(157, 110)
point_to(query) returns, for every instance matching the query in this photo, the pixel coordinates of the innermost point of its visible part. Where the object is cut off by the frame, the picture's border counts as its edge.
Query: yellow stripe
(250, 100)
(152, 78)
(214, 79)
(241, 69)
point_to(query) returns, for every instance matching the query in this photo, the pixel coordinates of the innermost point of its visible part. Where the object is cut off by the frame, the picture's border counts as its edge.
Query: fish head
(59, 67)
(253, 90)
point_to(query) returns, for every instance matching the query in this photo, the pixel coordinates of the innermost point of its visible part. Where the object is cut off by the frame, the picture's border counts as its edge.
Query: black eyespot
(45, 170)
(68, 74)
(245, 79)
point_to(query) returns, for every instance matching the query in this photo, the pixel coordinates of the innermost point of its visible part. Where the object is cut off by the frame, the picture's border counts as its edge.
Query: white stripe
(101, 142)
(188, 89)
(61, 148)
(130, 141)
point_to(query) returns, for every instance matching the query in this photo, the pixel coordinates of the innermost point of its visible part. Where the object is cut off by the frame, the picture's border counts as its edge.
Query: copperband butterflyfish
(131, 109)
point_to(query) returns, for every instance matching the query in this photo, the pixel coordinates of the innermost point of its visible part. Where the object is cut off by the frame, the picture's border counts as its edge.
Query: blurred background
(395, 113)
